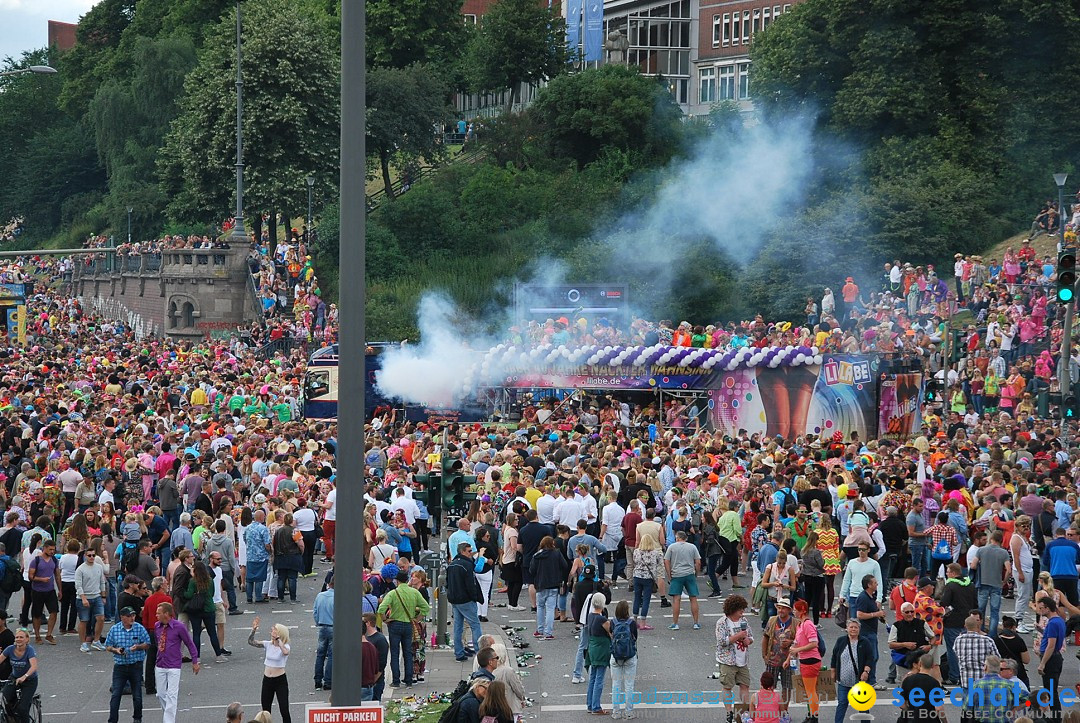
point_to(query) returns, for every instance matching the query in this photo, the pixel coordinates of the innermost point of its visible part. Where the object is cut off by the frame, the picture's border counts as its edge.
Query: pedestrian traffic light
(453, 483)
(1069, 406)
(1066, 276)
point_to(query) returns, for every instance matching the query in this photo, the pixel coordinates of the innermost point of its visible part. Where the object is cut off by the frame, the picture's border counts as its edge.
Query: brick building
(726, 29)
(62, 35)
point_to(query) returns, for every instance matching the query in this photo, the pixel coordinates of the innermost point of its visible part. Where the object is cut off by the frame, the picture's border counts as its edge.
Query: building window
(746, 27)
(725, 30)
(775, 11)
(734, 28)
(744, 81)
(787, 8)
(470, 20)
(757, 21)
(708, 86)
(725, 89)
(715, 30)
(766, 17)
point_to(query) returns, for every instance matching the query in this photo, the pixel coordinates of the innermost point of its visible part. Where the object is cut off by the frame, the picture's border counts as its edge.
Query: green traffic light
(1065, 294)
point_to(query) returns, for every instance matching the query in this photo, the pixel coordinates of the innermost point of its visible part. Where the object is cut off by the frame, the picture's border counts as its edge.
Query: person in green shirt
(729, 525)
(283, 411)
(399, 608)
(236, 401)
(800, 526)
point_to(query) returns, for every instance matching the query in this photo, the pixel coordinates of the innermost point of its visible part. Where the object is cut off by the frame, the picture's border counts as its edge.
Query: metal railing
(285, 345)
(379, 197)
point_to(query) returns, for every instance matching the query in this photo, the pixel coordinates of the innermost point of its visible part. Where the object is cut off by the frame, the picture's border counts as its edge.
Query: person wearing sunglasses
(91, 587)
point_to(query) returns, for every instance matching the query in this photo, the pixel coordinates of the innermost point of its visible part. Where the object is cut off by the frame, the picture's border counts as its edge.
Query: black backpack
(12, 579)
(129, 557)
(450, 715)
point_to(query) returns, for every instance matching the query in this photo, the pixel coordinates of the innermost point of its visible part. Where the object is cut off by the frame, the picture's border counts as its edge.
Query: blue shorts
(686, 583)
(95, 607)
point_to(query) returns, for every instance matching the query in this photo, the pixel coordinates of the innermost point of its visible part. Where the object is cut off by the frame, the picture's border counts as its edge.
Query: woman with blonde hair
(507, 675)
(648, 567)
(275, 682)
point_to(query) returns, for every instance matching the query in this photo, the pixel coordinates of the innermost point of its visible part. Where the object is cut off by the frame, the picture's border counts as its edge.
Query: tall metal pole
(1065, 366)
(238, 232)
(307, 226)
(349, 553)
(130, 209)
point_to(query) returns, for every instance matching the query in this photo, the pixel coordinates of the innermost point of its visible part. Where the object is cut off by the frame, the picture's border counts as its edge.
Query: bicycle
(8, 716)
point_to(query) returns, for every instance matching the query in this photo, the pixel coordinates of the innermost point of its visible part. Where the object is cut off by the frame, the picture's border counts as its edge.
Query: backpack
(129, 557)
(12, 579)
(942, 551)
(450, 715)
(786, 497)
(623, 645)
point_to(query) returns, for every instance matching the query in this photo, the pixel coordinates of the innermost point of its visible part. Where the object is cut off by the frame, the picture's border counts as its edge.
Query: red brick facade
(727, 27)
(62, 35)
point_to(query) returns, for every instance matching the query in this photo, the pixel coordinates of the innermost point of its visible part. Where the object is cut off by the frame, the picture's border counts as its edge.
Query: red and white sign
(364, 713)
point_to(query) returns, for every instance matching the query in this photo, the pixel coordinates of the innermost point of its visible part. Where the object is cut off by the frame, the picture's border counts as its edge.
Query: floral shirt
(758, 537)
(733, 653)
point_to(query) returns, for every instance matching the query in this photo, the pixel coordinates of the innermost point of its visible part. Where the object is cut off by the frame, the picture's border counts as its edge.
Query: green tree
(613, 106)
(405, 106)
(403, 32)
(520, 41)
(290, 117)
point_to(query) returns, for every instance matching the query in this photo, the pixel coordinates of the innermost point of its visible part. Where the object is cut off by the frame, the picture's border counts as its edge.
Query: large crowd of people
(153, 488)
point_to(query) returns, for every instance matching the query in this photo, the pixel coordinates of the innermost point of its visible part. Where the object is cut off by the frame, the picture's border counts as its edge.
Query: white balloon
(817, 358)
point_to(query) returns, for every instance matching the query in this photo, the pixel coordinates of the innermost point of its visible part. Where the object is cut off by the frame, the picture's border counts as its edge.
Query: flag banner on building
(573, 27)
(594, 30)
(839, 394)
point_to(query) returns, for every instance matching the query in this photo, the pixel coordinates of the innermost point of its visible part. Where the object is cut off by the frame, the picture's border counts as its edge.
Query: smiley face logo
(862, 697)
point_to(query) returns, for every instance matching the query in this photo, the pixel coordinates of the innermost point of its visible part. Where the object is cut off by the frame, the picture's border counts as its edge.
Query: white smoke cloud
(431, 372)
(735, 190)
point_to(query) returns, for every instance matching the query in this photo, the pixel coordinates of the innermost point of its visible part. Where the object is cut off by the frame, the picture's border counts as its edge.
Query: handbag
(195, 604)
(840, 615)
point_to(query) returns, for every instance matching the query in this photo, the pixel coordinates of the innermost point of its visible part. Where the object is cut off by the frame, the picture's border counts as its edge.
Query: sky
(24, 23)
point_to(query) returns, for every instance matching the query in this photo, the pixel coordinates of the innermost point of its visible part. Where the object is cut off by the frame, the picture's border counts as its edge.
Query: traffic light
(453, 482)
(455, 485)
(1069, 406)
(1066, 276)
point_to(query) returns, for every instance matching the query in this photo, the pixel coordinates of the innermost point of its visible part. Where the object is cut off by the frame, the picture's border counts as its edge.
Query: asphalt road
(75, 686)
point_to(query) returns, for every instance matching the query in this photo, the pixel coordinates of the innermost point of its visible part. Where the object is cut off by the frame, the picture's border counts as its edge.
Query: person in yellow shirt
(198, 397)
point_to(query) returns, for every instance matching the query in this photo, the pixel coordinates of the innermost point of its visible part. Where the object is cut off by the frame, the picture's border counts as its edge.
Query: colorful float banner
(605, 377)
(837, 395)
(900, 404)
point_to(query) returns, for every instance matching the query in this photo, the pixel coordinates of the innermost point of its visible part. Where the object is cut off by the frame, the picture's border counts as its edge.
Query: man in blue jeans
(994, 566)
(128, 641)
(323, 612)
(463, 593)
(869, 612)
(918, 537)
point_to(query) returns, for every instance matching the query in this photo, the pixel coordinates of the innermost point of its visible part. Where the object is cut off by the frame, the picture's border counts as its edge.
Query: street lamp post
(1065, 372)
(130, 209)
(307, 226)
(36, 69)
(239, 234)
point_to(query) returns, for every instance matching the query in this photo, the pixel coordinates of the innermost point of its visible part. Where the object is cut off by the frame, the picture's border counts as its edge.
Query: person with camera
(128, 641)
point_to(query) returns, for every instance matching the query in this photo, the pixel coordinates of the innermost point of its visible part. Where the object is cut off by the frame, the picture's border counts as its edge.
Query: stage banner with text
(839, 394)
(900, 404)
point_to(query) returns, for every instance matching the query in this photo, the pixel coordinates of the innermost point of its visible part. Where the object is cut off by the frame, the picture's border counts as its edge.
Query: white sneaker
(85, 647)
(97, 646)
(577, 680)
(1025, 630)
(616, 714)
(516, 608)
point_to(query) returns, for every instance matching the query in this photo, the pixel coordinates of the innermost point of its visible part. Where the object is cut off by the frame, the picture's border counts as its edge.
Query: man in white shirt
(569, 511)
(406, 505)
(107, 493)
(611, 532)
(545, 506)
